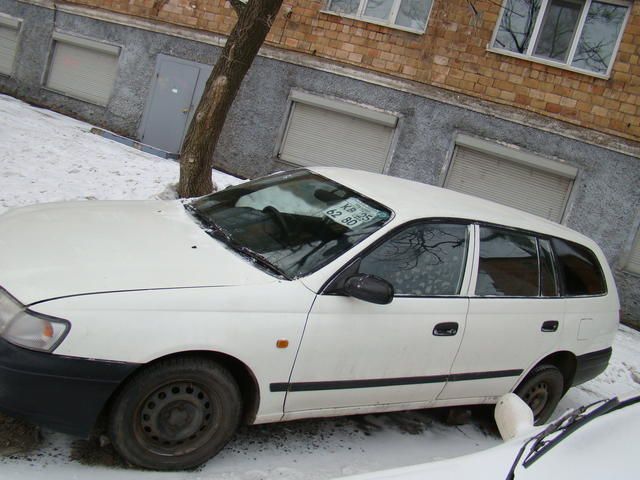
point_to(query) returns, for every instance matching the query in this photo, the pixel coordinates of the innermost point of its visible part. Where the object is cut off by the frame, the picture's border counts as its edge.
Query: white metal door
(355, 353)
(503, 337)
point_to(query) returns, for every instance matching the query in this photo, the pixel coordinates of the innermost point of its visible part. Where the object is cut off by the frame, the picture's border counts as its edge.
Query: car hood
(603, 448)
(73, 248)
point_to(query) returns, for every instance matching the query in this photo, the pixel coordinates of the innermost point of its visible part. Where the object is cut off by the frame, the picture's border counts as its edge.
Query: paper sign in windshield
(352, 213)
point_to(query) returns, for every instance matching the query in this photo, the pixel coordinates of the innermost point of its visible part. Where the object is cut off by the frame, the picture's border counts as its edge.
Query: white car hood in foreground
(71, 248)
(605, 448)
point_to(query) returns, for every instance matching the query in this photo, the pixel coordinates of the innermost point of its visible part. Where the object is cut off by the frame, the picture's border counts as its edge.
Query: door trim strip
(389, 382)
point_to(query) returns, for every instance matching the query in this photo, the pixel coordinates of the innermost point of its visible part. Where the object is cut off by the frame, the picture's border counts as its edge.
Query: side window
(579, 269)
(422, 260)
(508, 264)
(548, 282)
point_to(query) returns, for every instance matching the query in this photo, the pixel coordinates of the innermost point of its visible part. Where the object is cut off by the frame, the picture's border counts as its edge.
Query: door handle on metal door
(550, 326)
(446, 329)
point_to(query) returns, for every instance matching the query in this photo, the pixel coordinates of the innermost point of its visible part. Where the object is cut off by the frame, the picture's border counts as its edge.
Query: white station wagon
(315, 292)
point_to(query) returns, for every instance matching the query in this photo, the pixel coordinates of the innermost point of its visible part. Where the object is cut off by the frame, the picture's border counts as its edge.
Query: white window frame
(359, 15)
(529, 55)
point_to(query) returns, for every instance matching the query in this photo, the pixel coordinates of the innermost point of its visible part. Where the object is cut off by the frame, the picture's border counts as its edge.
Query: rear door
(515, 316)
(355, 353)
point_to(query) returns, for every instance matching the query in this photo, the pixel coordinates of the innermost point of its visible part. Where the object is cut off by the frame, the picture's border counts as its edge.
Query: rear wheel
(175, 414)
(542, 390)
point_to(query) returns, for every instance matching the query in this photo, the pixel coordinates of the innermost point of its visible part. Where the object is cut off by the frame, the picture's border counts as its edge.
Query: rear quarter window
(579, 269)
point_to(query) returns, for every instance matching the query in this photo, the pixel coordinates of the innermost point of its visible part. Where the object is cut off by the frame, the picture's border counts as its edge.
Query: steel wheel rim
(537, 397)
(176, 418)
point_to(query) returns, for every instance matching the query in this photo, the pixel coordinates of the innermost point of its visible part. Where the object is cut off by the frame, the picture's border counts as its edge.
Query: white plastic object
(513, 416)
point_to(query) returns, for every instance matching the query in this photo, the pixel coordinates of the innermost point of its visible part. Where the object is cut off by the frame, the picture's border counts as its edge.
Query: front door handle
(446, 329)
(550, 326)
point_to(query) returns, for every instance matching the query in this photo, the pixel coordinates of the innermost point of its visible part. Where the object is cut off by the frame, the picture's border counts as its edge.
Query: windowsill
(629, 272)
(376, 22)
(551, 63)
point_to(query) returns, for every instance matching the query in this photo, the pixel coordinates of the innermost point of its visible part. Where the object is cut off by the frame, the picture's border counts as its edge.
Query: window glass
(516, 26)
(579, 269)
(508, 264)
(413, 13)
(349, 7)
(599, 36)
(558, 28)
(561, 30)
(404, 13)
(295, 221)
(548, 284)
(378, 8)
(422, 260)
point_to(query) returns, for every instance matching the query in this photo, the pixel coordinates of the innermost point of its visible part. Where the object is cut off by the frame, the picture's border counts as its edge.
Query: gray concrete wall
(136, 64)
(605, 199)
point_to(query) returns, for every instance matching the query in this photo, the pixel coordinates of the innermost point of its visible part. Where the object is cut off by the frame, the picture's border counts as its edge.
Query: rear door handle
(550, 326)
(446, 329)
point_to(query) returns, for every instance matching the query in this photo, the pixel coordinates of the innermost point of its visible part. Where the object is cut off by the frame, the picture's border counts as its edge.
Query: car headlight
(28, 329)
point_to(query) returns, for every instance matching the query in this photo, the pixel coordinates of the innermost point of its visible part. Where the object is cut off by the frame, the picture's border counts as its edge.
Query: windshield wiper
(215, 230)
(563, 427)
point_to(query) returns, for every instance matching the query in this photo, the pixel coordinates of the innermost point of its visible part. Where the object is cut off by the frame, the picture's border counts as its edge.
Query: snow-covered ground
(47, 157)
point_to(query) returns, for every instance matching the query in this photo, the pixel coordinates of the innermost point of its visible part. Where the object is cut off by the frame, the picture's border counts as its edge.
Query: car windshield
(294, 222)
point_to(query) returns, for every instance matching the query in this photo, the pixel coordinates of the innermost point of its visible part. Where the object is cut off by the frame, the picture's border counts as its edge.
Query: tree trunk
(196, 160)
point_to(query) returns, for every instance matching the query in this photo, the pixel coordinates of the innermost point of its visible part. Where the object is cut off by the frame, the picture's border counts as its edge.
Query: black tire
(175, 414)
(542, 390)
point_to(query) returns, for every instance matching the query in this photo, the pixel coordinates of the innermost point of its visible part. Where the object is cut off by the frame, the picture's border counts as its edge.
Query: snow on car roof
(410, 199)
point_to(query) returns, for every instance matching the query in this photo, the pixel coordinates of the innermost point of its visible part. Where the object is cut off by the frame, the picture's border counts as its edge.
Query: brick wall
(451, 54)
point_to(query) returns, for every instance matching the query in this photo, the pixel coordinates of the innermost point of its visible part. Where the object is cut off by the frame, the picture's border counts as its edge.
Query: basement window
(581, 35)
(82, 68)
(9, 30)
(633, 260)
(409, 15)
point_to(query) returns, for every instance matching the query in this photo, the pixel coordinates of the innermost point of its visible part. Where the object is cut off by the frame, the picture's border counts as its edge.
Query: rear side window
(508, 264)
(579, 269)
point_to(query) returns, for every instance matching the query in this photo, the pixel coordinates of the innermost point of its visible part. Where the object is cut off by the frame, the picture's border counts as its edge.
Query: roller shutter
(323, 136)
(83, 69)
(517, 185)
(8, 44)
(634, 260)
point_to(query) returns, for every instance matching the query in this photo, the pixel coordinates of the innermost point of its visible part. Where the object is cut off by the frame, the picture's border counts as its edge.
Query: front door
(355, 353)
(175, 93)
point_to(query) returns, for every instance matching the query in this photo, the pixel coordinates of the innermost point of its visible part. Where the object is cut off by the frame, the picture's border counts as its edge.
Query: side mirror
(369, 288)
(513, 416)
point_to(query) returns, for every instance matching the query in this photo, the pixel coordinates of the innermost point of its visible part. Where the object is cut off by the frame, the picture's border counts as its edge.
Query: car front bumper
(62, 393)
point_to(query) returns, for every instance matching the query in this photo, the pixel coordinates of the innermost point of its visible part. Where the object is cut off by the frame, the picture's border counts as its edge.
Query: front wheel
(175, 414)
(542, 390)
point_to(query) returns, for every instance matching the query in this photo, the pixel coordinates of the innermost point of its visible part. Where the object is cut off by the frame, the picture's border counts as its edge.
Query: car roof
(411, 200)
